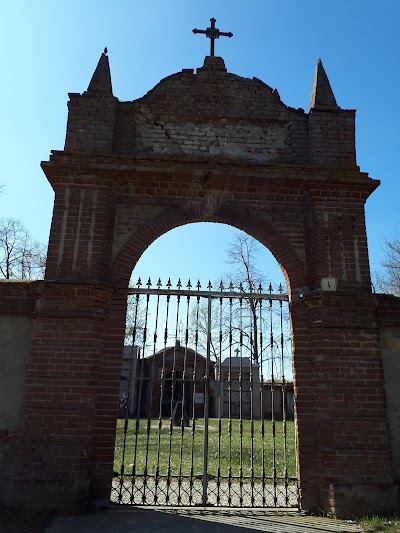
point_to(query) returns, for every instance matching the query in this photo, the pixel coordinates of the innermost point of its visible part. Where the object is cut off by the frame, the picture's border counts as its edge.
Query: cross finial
(213, 33)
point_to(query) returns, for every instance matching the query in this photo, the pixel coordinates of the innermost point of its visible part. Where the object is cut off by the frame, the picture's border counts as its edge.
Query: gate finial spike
(270, 288)
(259, 288)
(169, 284)
(209, 286)
(221, 286)
(198, 286)
(231, 286)
(280, 288)
(241, 289)
(139, 283)
(179, 284)
(189, 285)
(149, 284)
(159, 284)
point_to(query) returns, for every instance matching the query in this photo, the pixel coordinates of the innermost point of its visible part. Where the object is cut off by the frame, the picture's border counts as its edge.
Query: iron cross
(213, 33)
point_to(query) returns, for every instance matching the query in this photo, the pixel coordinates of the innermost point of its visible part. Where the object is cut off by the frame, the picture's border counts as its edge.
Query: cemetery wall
(389, 319)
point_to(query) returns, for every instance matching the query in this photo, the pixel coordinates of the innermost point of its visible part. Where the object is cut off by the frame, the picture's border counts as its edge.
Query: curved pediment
(212, 113)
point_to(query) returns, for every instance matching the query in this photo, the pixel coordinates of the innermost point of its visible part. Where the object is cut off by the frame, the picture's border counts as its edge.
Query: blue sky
(51, 48)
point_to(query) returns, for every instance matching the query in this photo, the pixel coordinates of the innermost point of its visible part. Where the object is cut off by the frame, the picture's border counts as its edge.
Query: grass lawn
(378, 524)
(181, 451)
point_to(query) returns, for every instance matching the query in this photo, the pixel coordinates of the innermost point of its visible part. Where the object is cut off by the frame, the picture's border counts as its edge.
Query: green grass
(377, 524)
(233, 450)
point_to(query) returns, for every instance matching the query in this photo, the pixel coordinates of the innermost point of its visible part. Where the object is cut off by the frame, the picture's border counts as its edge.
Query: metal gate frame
(143, 487)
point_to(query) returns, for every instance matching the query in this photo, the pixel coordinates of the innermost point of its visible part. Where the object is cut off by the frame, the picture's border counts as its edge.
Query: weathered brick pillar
(52, 449)
(306, 417)
(350, 404)
(109, 379)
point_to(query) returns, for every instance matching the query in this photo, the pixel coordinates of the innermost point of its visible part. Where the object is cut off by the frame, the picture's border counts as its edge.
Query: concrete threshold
(199, 520)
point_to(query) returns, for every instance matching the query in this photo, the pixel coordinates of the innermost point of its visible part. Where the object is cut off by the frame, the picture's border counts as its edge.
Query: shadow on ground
(198, 521)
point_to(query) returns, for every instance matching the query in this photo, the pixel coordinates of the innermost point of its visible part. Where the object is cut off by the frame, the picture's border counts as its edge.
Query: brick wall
(52, 448)
(332, 138)
(212, 113)
(350, 402)
(91, 122)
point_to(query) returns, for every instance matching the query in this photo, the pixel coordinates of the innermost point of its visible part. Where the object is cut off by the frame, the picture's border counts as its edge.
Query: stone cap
(213, 64)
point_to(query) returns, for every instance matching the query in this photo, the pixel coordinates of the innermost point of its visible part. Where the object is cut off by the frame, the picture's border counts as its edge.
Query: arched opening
(210, 368)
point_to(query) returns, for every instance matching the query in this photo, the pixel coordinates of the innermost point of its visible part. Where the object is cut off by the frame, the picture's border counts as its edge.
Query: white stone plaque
(329, 284)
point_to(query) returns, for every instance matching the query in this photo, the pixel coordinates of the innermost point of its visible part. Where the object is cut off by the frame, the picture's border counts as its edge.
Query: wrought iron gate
(206, 408)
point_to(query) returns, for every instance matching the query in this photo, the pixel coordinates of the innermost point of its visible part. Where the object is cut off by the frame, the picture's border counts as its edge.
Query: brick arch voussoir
(241, 218)
(268, 235)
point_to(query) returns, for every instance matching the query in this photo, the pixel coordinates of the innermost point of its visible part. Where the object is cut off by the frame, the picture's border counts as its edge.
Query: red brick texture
(213, 147)
(350, 402)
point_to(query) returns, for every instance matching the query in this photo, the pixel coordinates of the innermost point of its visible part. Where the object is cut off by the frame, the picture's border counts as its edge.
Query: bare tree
(21, 257)
(388, 280)
(242, 258)
(199, 328)
(237, 323)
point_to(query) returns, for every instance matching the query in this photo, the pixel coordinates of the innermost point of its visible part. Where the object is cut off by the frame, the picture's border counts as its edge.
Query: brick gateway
(200, 146)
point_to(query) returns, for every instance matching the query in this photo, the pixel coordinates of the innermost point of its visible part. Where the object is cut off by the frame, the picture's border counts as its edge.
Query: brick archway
(123, 265)
(204, 146)
(239, 217)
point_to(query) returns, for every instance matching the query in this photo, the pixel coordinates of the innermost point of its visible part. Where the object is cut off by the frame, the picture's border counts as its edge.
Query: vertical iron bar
(230, 402)
(183, 402)
(271, 340)
(149, 392)
(219, 403)
(206, 404)
(140, 391)
(196, 343)
(251, 391)
(241, 400)
(173, 383)
(162, 386)
(284, 413)
(126, 423)
(262, 406)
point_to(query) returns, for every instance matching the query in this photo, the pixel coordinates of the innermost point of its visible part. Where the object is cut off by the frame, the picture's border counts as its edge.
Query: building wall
(278, 401)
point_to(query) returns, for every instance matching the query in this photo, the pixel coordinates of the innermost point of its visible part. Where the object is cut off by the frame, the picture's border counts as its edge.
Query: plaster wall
(15, 334)
(390, 341)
